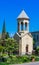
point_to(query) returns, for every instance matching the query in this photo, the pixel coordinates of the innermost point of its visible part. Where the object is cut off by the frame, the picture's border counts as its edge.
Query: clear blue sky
(10, 9)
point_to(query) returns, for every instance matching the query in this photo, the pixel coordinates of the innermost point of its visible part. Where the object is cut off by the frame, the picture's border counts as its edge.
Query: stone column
(28, 27)
(24, 26)
(19, 28)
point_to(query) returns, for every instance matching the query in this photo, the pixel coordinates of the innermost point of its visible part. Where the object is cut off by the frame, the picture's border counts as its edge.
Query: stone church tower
(23, 37)
(23, 22)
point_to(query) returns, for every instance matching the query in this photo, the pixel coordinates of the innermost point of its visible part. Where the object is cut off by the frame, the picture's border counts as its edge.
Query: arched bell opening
(21, 26)
(25, 26)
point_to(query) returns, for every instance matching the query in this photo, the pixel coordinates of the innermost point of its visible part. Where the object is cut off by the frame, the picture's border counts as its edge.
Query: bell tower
(23, 22)
(23, 37)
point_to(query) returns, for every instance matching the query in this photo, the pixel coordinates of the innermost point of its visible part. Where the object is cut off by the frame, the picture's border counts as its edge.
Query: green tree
(37, 50)
(4, 27)
(11, 45)
(7, 35)
(4, 30)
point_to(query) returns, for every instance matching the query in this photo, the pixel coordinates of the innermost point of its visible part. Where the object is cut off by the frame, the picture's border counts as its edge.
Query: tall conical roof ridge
(23, 15)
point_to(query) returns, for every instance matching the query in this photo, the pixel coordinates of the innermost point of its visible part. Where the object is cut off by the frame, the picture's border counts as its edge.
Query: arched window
(21, 25)
(25, 26)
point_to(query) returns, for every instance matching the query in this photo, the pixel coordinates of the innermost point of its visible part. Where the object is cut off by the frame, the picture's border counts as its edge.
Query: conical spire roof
(23, 15)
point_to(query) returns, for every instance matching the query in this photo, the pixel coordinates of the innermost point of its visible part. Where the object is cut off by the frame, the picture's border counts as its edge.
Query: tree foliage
(4, 30)
(8, 45)
(4, 27)
(7, 35)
